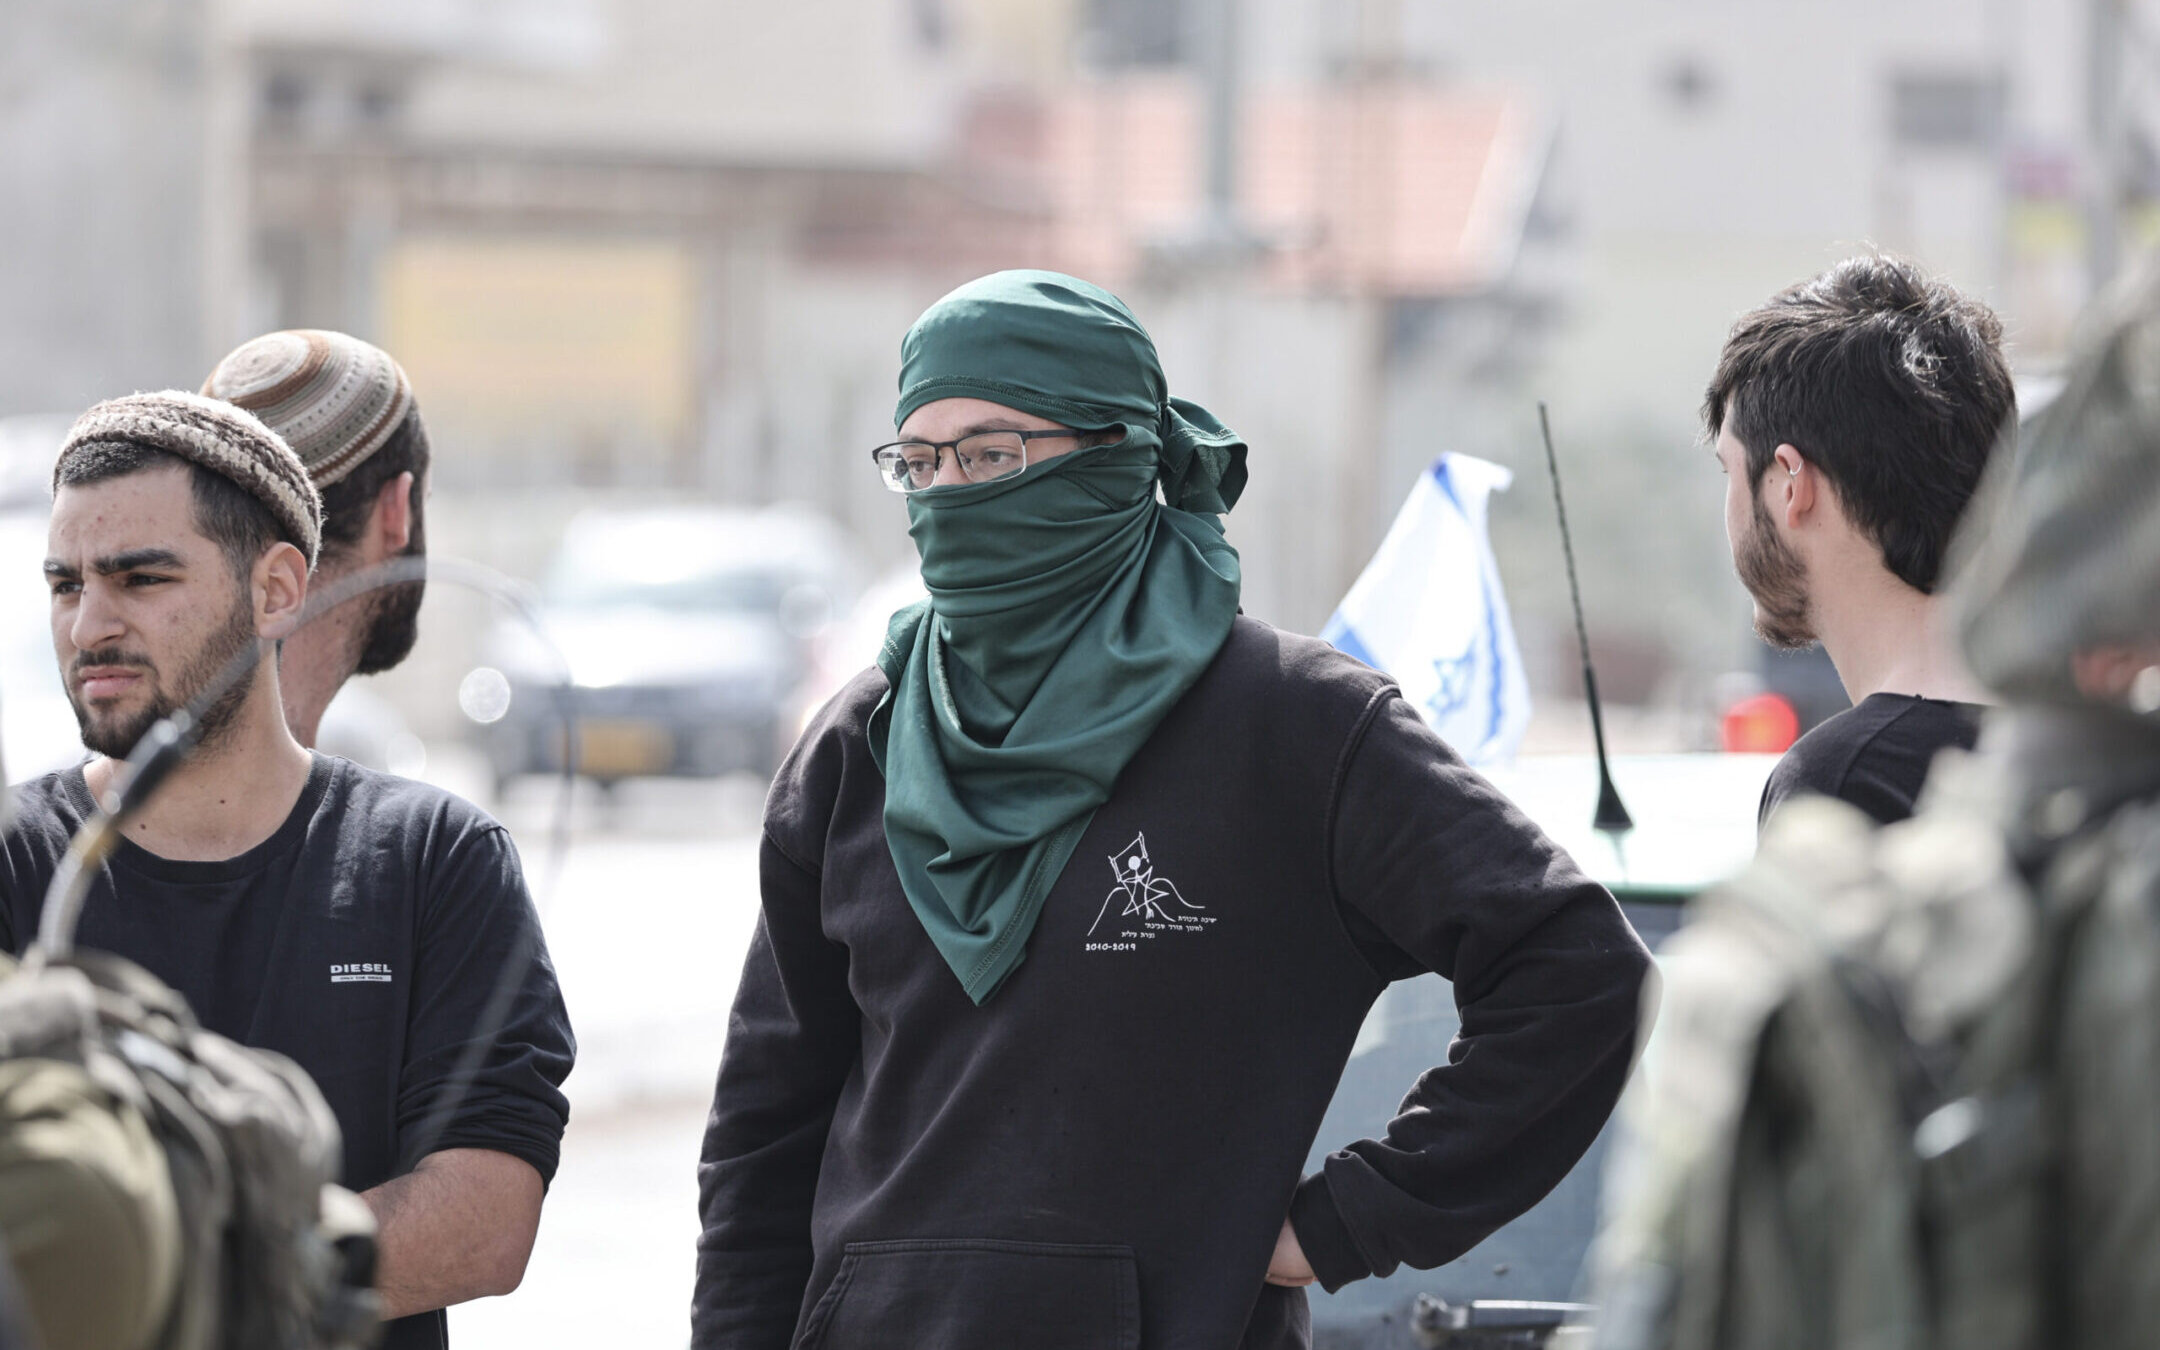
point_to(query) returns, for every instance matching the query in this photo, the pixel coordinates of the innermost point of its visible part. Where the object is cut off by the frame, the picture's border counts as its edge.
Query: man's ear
(280, 589)
(1792, 487)
(390, 519)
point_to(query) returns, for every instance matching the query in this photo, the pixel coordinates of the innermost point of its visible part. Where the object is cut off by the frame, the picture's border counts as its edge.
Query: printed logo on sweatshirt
(362, 972)
(1148, 905)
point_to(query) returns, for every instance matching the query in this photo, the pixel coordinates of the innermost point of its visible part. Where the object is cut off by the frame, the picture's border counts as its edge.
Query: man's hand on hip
(1289, 1267)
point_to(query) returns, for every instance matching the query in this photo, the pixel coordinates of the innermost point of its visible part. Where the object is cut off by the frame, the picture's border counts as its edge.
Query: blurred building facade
(669, 246)
(104, 153)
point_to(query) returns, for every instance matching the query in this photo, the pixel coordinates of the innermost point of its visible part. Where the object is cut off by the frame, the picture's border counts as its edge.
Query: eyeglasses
(985, 457)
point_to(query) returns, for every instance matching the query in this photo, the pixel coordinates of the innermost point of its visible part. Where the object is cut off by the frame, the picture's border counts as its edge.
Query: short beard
(219, 651)
(393, 616)
(393, 626)
(1776, 578)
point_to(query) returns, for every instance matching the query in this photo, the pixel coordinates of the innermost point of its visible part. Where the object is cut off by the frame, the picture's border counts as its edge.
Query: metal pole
(2105, 35)
(225, 215)
(1218, 40)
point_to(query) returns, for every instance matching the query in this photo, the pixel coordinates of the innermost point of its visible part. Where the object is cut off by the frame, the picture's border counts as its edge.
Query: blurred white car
(37, 727)
(850, 646)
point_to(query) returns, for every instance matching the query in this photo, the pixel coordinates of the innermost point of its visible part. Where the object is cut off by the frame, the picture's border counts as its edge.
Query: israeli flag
(1429, 611)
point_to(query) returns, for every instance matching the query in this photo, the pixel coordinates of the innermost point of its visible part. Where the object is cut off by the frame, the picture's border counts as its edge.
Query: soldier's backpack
(162, 1187)
(1905, 1091)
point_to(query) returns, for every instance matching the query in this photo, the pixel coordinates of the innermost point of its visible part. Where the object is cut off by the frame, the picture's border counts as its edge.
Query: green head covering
(1069, 608)
(1062, 348)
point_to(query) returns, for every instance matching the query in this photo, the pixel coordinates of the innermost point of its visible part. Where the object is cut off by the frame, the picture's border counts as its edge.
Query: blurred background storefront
(648, 263)
(661, 247)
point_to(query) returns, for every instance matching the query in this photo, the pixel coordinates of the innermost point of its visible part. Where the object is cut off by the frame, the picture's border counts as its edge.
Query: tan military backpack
(1904, 1093)
(162, 1187)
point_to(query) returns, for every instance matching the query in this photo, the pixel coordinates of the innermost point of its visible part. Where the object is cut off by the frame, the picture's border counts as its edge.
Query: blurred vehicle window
(37, 727)
(692, 635)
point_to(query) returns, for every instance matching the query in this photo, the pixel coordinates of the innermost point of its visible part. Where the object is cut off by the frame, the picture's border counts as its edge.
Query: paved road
(647, 922)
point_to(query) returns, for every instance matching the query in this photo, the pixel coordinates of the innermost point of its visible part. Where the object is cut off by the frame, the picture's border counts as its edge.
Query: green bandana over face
(1069, 608)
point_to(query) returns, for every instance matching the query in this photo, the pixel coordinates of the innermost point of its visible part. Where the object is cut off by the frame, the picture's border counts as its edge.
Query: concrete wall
(102, 200)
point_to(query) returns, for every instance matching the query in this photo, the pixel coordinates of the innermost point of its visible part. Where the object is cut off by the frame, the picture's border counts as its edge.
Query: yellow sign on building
(550, 343)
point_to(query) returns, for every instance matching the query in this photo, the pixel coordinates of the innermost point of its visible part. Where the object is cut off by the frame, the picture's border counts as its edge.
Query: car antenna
(1612, 817)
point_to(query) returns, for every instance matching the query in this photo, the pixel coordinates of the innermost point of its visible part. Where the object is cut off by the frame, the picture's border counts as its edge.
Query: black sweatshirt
(363, 939)
(1102, 1154)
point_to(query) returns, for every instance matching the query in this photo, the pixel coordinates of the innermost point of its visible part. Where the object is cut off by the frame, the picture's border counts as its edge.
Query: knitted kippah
(335, 399)
(220, 437)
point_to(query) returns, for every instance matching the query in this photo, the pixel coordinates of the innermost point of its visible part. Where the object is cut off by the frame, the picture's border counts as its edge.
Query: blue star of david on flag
(1456, 674)
(1429, 610)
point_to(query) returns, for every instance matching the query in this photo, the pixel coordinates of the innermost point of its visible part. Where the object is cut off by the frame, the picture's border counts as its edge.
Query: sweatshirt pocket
(978, 1294)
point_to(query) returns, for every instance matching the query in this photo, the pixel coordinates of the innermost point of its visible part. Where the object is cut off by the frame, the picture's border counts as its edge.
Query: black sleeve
(15, 880)
(31, 846)
(792, 1040)
(1548, 978)
(1885, 790)
(480, 961)
(1875, 757)
(1816, 766)
(1888, 773)
(1773, 796)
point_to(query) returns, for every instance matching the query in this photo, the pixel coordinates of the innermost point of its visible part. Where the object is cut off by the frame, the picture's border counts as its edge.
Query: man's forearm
(459, 1226)
(1546, 1047)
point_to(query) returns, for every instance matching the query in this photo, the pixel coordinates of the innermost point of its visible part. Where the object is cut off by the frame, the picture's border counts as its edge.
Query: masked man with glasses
(1073, 908)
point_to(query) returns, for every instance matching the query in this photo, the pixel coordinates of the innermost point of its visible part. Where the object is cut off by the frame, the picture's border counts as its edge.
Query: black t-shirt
(362, 939)
(1875, 755)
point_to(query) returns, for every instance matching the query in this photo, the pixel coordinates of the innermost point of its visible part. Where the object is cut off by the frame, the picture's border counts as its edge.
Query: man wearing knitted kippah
(347, 410)
(360, 923)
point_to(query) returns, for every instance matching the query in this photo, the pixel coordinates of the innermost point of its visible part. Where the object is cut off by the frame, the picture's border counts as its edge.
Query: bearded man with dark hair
(375, 930)
(1852, 416)
(347, 410)
(1909, 1083)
